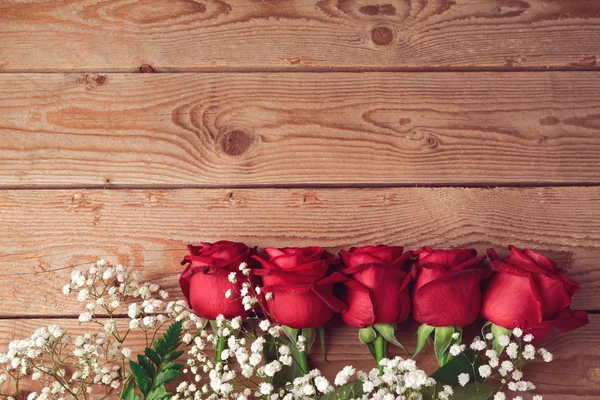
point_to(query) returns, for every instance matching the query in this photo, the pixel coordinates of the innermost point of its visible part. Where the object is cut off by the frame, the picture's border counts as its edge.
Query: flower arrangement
(249, 320)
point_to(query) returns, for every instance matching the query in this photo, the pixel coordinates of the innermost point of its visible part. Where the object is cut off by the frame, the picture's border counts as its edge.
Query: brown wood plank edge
(302, 129)
(305, 34)
(45, 234)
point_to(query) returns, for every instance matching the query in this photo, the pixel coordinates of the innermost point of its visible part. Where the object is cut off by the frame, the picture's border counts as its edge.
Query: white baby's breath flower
(500, 396)
(456, 349)
(269, 296)
(66, 289)
(266, 388)
(126, 352)
(463, 379)
(489, 336)
(503, 340)
(264, 325)
(228, 293)
(85, 317)
(517, 332)
(232, 277)
(134, 323)
(528, 338)
(485, 371)
(455, 335)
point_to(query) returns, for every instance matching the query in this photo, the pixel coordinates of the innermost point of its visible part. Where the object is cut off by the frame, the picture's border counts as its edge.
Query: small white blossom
(463, 379)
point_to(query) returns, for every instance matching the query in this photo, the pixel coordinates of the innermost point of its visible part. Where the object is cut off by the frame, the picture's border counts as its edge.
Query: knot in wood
(234, 141)
(382, 35)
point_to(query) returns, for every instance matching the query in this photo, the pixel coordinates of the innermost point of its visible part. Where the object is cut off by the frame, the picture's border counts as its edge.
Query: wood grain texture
(299, 129)
(46, 233)
(176, 35)
(573, 375)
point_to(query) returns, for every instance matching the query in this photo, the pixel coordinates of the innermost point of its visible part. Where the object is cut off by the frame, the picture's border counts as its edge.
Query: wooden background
(129, 128)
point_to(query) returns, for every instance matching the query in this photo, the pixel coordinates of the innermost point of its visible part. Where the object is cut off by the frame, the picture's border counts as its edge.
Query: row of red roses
(378, 284)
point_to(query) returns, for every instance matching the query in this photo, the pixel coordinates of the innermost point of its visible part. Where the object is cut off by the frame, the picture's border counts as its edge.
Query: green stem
(303, 362)
(379, 345)
(220, 347)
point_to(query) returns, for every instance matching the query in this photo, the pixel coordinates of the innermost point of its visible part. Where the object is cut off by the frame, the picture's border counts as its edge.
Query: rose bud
(204, 281)
(377, 288)
(301, 282)
(528, 291)
(447, 290)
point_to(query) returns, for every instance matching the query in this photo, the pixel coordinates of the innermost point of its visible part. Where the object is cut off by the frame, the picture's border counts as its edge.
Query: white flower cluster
(505, 367)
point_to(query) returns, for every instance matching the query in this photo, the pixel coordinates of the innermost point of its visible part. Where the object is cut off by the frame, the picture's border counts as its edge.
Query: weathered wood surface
(573, 375)
(299, 129)
(184, 35)
(46, 233)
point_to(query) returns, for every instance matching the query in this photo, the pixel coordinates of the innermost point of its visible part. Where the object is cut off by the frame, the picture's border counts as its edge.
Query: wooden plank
(44, 234)
(573, 375)
(299, 129)
(176, 35)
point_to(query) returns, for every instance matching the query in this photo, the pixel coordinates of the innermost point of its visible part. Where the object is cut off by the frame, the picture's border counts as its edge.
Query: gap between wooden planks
(182, 35)
(338, 129)
(44, 234)
(573, 375)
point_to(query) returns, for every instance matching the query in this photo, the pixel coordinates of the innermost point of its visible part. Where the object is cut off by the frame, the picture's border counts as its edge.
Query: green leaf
(498, 331)
(152, 355)
(463, 363)
(171, 365)
(388, 332)
(172, 356)
(350, 390)
(158, 393)
(146, 364)
(367, 335)
(473, 391)
(311, 335)
(129, 392)
(166, 376)
(423, 333)
(291, 333)
(156, 366)
(442, 341)
(142, 380)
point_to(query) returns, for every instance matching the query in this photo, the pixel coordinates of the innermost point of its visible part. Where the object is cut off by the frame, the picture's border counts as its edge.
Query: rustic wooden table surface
(129, 128)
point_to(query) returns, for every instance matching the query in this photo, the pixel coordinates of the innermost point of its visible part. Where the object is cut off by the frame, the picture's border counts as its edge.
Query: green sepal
(350, 390)
(388, 332)
(441, 344)
(322, 340)
(371, 349)
(214, 326)
(473, 391)
(423, 333)
(498, 331)
(310, 335)
(483, 328)
(291, 333)
(367, 335)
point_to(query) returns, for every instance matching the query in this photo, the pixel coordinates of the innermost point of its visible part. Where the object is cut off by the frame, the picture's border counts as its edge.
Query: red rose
(302, 285)
(378, 289)
(527, 290)
(205, 279)
(447, 291)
